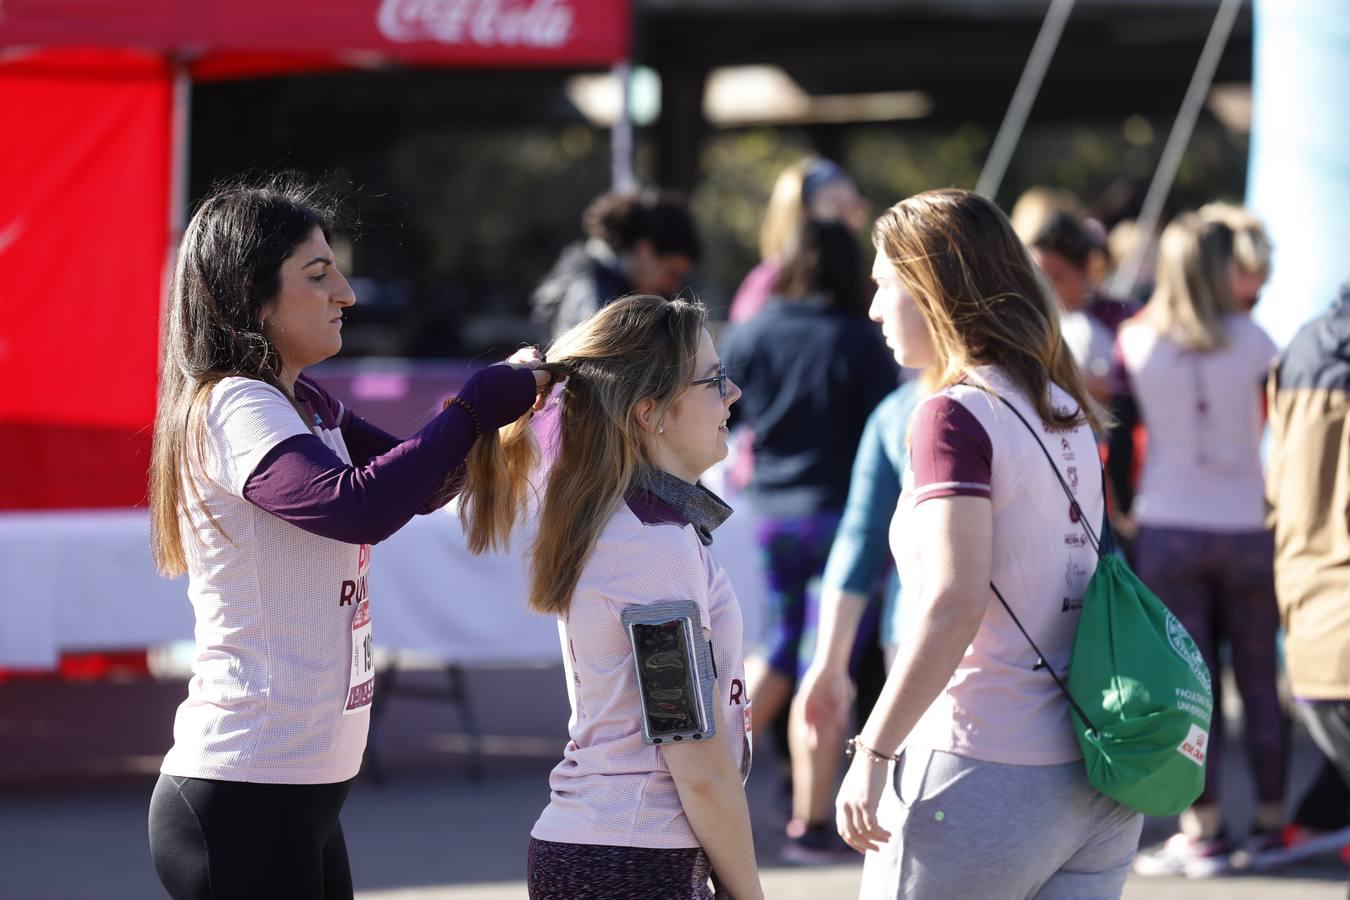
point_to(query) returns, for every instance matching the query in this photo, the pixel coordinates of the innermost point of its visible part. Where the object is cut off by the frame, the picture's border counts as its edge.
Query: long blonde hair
(983, 301)
(636, 348)
(785, 213)
(1191, 295)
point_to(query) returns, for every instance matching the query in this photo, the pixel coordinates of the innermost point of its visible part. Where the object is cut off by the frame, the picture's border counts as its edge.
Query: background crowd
(472, 222)
(1179, 362)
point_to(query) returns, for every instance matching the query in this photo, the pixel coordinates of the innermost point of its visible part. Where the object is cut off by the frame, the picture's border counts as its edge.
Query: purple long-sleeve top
(302, 481)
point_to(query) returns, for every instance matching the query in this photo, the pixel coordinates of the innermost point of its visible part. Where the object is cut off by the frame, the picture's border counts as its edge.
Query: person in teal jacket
(859, 561)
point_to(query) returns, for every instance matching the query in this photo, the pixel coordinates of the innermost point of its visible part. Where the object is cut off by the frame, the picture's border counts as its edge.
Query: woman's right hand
(532, 359)
(857, 803)
(826, 695)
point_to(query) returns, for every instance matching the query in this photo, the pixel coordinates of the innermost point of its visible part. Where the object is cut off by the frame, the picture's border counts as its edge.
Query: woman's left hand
(855, 808)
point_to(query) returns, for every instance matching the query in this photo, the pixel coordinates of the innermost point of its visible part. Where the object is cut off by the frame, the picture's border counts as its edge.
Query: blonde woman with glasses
(648, 800)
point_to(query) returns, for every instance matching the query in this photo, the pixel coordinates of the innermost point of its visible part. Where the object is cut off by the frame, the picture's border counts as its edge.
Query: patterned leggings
(571, 871)
(1221, 585)
(793, 553)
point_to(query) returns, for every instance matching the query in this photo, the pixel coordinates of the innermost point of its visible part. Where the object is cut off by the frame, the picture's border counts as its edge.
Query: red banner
(227, 37)
(83, 235)
(85, 132)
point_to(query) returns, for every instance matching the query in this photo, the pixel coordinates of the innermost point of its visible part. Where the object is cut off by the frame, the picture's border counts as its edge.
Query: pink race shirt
(611, 788)
(281, 614)
(965, 442)
(1203, 412)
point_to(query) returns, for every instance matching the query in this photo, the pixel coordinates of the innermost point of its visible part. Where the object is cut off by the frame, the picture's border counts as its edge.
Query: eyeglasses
(720, 378)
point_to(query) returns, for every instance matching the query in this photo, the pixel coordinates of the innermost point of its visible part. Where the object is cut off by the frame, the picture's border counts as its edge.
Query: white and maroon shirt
(284, 672)
(1204, 416)
(275, 607)
(965, 442)
(612, 789)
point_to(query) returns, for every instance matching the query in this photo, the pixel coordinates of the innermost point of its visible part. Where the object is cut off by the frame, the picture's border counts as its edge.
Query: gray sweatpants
(962, 828)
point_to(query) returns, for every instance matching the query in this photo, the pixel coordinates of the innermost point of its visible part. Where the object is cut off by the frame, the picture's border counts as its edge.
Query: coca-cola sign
(485, 23)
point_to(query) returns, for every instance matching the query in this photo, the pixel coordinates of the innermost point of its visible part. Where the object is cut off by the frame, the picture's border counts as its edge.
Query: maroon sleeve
(950, 451)
(366, 440)
(1118, 382)
(304, 482)
(1120, 452)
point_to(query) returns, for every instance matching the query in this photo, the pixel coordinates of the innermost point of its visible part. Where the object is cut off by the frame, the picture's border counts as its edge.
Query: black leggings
(228, 840)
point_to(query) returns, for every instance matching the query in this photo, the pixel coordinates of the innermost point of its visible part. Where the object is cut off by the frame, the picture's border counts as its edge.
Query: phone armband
(675, 673)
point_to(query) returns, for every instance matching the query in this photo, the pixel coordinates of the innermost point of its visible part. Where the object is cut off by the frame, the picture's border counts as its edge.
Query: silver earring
(660, 429)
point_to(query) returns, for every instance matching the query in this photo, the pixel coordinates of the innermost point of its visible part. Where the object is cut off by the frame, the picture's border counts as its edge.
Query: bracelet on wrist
(473, 413)
(855, 746)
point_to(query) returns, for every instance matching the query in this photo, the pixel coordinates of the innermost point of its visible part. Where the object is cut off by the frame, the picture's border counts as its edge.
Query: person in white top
(1067, 249)
(624, 530)
(268, 493)
(966, 780)
(1192, 368)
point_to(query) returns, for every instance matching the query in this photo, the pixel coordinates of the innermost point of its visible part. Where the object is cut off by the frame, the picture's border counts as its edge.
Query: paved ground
(72, 804)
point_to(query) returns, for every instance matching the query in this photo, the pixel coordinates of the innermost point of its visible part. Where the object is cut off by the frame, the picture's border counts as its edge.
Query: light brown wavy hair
(983, 298)
(1191, 294)
(636, 348)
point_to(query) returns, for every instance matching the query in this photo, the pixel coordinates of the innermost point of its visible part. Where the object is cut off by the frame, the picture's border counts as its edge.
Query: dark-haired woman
(812, 369)
(269, 493)
(1064, 248)
(642, 242)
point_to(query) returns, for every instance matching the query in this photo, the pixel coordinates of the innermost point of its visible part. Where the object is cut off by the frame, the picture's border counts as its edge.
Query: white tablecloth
(72, 581)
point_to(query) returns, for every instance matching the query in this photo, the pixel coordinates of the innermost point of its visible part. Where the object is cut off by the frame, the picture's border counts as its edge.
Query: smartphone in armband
(675, 671)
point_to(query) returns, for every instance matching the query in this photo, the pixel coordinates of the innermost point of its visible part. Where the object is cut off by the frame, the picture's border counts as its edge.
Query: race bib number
(361, 686)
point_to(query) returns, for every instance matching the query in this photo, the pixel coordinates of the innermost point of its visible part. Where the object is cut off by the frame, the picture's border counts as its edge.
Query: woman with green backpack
(968, 779)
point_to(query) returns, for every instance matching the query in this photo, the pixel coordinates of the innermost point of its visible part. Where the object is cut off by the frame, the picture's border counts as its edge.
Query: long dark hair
(825, 260)
(228, 269)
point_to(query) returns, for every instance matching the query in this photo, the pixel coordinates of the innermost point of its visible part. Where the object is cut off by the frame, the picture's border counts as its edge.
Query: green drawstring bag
(1144, 699)
(1138, 687)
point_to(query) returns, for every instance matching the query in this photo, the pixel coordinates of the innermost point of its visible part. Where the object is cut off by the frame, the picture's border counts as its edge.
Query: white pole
(181, 141)
(622, 177)
(1122, 283)
(180, 117)
(1028, 86)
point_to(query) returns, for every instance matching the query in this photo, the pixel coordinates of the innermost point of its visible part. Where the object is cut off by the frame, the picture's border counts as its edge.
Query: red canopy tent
(93, 111)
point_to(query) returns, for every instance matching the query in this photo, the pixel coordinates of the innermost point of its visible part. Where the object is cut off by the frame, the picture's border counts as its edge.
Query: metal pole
(180, 114)
(179, 148)
(622, 177)
(1028, 86)
(1122, 283)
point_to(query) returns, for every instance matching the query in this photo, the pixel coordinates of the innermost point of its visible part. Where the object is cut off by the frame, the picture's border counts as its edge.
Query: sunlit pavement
(428, 833)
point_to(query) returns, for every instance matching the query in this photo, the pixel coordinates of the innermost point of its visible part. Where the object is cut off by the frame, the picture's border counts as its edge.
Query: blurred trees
(1107, 165)
(452, 226)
